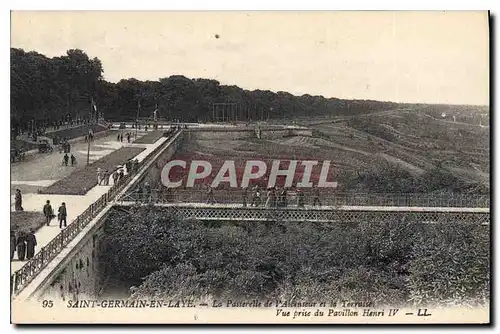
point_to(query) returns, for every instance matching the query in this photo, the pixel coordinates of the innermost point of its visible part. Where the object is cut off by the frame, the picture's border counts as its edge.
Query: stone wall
(82, 275)
(246, 133)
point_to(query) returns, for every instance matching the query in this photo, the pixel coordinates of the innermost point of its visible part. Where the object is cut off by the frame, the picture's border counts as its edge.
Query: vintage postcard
(250, 167)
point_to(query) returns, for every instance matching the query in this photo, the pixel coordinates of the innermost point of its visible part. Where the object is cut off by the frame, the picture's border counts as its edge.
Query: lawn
(82, 180)
(76, 132)
(150, 138)
(26, 220)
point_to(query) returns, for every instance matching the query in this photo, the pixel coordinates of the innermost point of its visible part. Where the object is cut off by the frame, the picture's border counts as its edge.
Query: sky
(428, 57)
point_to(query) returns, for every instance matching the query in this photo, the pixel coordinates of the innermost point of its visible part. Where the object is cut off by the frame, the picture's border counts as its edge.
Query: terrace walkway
(76, 205)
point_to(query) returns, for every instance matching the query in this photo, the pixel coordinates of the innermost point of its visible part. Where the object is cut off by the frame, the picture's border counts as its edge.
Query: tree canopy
(49, 89)
(392, 262)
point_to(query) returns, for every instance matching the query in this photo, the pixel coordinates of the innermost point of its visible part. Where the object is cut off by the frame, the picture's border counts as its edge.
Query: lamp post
(88, 147)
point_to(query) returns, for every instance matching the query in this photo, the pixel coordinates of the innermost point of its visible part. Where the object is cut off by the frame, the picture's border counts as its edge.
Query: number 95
(47, 303)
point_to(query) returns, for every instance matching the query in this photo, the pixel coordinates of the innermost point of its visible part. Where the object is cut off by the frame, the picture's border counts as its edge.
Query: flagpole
(88, 135)
(137, 117)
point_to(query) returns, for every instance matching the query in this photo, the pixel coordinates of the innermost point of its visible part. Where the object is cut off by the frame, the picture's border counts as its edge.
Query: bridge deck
(317, 208)
(342, 214)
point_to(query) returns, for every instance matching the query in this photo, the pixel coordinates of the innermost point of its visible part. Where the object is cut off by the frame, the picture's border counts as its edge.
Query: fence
(22, 277)
(238, 197)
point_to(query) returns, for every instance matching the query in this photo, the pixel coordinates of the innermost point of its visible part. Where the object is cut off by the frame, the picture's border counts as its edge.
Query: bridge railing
(162, 195)
(22, 277)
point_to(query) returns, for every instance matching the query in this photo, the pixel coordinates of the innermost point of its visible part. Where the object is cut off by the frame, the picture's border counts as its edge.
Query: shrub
(386, 262)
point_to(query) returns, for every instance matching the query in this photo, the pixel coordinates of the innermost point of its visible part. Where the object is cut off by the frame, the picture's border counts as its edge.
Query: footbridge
(64, 267)
(322, 214)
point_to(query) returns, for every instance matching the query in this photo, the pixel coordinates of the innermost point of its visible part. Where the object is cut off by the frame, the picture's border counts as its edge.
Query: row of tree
(51, 89)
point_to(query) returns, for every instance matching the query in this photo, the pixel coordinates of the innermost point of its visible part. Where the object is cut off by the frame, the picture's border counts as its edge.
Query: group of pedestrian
(128, 135)
(67, 159)
(278, 198)
(103, 176)
(62, 214)
(64, 146)
(24, 244)
(89, 137)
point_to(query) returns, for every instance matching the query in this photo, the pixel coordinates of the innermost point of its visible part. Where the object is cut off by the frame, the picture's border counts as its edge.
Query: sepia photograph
(250, 167)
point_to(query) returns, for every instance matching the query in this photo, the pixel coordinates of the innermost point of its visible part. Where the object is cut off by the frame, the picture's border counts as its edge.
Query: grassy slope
(82, 180)
(150, 137)
(76, 132)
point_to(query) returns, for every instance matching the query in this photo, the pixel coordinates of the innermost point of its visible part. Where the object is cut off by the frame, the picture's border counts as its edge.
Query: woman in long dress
(30, 245)
(18, 201)
(21, 247)
(13, 244)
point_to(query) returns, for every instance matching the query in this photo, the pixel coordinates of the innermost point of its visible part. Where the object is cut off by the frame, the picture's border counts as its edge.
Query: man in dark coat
(210, 195)
(18, 200)
(48, 212)
(30, 245)
(105, 178)
(63, 214)
(21, 247)
(300, 198)
(283, 197)
(13, 244)
(66, 158)
(128, 166)
(115, 177)
(120, 175)
(316, 194)
(73, 160)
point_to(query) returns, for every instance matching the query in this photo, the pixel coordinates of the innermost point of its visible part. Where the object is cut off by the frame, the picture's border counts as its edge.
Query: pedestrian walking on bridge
(245, 195)
(48, 212)
(121, 175)
(300, 198)
(115, 177)
(316, 194)
(13, 244)
(271, 198)
(99, 176)
(256, 197)
(210, 195)
(283, 198)
(62, 215)
(30, 244)
(18, 200)
(66, 159)
(105, 177)
(21, 247)
(73, 160)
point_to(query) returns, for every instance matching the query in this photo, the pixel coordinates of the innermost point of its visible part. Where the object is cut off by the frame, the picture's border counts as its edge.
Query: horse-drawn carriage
(44, 146)
(16, 155)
